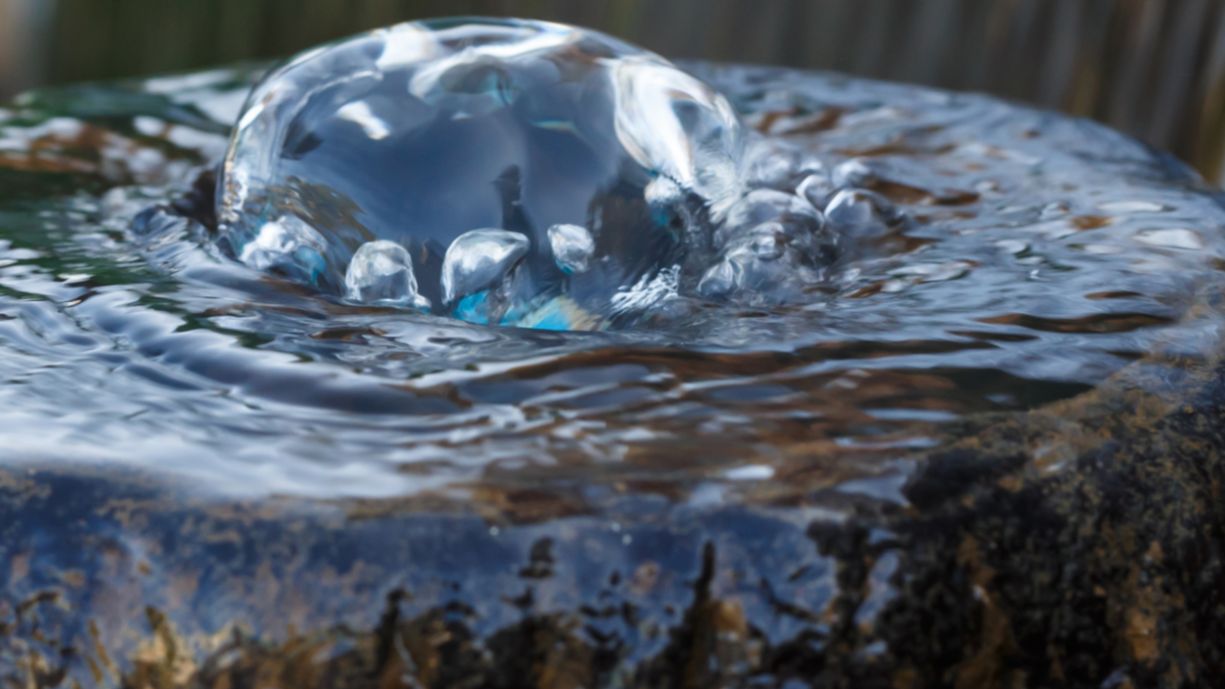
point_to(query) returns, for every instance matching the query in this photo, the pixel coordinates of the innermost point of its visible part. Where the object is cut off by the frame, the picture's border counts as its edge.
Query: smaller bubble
(861, 213)
(477, 272)
(382, 272)
(816, 189)
(855, 172)
(572, 247)
(764, 205)
(721, 280)
(288, 246)
(765, 265)
(802, 225)
(775, 164)
(768, 241)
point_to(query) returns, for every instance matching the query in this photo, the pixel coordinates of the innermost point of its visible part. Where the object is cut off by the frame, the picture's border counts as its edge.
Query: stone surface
(1075, 546)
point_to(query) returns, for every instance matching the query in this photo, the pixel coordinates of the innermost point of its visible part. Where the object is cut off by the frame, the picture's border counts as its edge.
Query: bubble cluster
(484, 169)
(509, 159)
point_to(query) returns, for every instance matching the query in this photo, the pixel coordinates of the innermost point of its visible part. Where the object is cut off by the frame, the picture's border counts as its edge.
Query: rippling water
(1044, 255)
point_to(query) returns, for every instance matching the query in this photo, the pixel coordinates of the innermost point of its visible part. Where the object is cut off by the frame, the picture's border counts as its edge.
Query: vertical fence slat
(1154, 68)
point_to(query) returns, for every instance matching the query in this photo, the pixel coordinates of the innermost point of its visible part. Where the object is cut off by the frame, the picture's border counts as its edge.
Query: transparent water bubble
(861, 213)
(771, 263)
(421, 132)
(776, 164)
(478, 274)
(290, 247)
(855, 172)
(572, 247)
(817, 189)
(381, 272)
(771, 246)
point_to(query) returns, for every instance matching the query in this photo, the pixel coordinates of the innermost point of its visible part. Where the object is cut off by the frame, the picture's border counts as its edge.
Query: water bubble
(572, 247)
(855, 172)
(418, 133)
(768, 264)
(804, 225)
(479, 262)
(382, 272)
(817, 189)
(861, 213)
(771, 247)
(775, 164)
(768, 241)
(287, 246)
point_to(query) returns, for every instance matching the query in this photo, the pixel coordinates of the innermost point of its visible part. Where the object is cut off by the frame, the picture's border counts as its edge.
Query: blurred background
(1153, 68)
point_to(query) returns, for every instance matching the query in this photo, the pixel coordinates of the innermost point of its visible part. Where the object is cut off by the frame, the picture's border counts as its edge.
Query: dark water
(1045, 254)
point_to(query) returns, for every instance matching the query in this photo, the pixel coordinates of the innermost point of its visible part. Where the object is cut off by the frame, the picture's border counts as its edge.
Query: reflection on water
(1042, 254)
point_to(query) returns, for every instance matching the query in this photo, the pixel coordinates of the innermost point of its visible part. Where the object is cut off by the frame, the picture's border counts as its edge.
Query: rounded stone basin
(988, 454)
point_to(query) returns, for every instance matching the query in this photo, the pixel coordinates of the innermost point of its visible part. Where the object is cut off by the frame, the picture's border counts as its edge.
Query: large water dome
(500, 171)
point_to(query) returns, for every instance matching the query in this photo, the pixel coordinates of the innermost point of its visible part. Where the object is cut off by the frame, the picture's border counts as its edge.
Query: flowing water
(991, 259)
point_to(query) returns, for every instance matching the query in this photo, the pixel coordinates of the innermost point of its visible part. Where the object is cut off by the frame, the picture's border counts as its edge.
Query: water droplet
(776, 164)
(855, 172)
(288, 246)
(418, 133)
(767, 264)
(861, 213)
(816, 189)
(572, 247)
(477, 262)
(382, 272)
(802, 225)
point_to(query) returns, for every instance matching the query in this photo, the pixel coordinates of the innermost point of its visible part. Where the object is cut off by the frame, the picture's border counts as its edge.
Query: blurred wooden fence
(1154, 68)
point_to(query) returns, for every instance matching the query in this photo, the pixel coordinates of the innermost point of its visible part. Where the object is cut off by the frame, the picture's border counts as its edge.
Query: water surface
(1044, 254)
